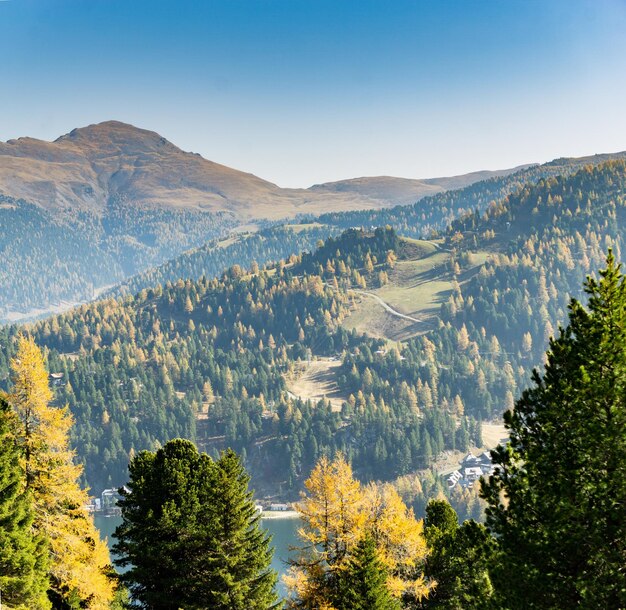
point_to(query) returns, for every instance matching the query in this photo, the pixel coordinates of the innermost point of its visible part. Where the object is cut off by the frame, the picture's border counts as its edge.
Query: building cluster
(106, 504)
(471, 468)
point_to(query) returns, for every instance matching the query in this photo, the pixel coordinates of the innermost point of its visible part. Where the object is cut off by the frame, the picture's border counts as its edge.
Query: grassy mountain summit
(86, 168)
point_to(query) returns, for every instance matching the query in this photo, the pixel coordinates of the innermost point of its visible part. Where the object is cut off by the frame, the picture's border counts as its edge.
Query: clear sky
(307, 91)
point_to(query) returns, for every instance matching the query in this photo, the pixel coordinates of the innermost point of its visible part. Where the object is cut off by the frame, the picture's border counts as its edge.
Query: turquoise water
(283, 531)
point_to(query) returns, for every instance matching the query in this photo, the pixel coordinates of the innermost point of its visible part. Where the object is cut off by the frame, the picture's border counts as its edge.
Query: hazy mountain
(84, 169)
(403, 191)
(108, 201)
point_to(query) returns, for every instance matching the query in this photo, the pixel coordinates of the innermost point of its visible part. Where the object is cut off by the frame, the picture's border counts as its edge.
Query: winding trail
(388, 307)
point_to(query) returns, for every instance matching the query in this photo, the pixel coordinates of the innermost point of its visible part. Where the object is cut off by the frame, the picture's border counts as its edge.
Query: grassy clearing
(493, 434)
(298, 228)
(316, 380)
(418, 285)
(371, 318)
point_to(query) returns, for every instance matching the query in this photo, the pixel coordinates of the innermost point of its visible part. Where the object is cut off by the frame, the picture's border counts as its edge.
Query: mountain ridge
(85, 168)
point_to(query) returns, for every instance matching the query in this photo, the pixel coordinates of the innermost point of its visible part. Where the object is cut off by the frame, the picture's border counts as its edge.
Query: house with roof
(471, 469)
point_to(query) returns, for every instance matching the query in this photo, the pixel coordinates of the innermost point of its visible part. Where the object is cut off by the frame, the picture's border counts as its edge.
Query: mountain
(108, 201)
(87, 168)
(404, 191)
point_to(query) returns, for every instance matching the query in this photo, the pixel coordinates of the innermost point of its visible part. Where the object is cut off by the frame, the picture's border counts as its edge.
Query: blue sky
(301, 92)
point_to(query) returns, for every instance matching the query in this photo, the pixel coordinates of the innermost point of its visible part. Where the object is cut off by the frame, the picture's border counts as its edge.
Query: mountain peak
(116, 134)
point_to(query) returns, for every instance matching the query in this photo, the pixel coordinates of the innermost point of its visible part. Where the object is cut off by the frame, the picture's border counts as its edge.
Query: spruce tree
(240, 562)
(190, 533)
(557, 501)
(162, 537)
(363, 583)
(458, 560)
(23, 554)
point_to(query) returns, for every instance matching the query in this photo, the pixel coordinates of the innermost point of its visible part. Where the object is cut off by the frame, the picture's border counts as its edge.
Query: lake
(283, 531)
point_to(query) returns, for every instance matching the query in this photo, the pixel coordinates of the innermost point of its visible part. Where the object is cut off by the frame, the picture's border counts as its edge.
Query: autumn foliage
(337, 514)
(78, 559)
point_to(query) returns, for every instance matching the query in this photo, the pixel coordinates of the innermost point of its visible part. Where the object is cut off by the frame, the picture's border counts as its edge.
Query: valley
(289, 342)
(313, 305)
(393, 349)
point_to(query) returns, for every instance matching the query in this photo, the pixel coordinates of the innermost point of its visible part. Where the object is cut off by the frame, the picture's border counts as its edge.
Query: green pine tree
(562, 529)
(241, 572)
(163, 538)
(23, 565)
(190, 533)
(458, 560)
(363, 583)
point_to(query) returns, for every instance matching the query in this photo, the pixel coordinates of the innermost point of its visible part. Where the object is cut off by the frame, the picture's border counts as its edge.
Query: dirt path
(317, 381)
(388, 307)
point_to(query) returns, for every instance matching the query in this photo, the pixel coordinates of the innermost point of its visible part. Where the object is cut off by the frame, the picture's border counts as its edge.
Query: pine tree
(562, 529)
(23, 553)
(160, 536)
(363, 582)
(458, 560)
(190, 533)
(240, 565)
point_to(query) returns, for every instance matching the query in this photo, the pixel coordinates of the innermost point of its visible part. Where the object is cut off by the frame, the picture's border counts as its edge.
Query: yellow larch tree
(399, 538)
(79, 559)
(337, 513)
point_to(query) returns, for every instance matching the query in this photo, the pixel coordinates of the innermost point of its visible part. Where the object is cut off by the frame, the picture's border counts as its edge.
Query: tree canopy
(337, 513)
(557, 499)
(190, 533)
(79, 567)
(23, 551)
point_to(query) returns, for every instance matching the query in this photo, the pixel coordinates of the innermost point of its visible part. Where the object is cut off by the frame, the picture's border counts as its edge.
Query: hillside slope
(222, 361)
(108, 201)
(404, 191)
(432, 214)
(87, 168)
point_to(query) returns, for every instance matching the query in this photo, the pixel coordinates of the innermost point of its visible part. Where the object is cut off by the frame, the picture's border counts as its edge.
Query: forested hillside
(91, 230)
(66, 258)
(265, 246)
(208, 359)
(212, 359)
(432, 215)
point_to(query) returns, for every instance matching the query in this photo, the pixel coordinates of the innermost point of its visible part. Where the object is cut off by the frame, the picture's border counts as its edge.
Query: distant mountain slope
(403, 191)
(213, 259)
(85, 169)
(106, 202)
(432, 214)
